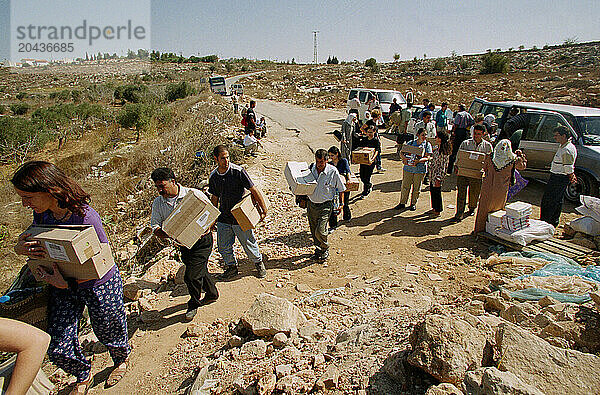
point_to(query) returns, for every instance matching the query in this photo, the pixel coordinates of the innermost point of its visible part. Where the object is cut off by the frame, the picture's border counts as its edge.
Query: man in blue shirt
(320, 202)
(441, 119)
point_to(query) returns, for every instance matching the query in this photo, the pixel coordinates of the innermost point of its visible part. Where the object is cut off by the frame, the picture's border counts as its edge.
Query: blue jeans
(226, 234)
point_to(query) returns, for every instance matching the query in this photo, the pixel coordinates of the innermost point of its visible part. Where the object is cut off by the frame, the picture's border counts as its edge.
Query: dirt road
(376, 244)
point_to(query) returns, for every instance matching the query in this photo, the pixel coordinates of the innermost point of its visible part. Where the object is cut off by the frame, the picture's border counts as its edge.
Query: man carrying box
(478, 144)
(320, 202)
(226, 185)
(196, 277)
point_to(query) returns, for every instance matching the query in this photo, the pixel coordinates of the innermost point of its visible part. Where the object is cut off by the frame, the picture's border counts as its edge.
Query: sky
(350, 30)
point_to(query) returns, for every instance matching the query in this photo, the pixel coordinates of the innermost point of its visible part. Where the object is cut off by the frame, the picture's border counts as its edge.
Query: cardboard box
(67, 243)
(518, 209)
(495, 218)
(470, 159)
(364, 156)
(353, 184)
(92, 269)
(432, 141)
(471, 173)
(246, 212)
(412, 150)
(299, 178)
(192, 218)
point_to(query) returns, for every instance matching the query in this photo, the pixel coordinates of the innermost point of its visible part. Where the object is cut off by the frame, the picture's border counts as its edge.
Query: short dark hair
(321, 154)
(252, 102)
(444, 104)
(409, 105)
(479, 127)
(426, 113)
(563, 131)
(218, 150)
(427, 100)
(334, 150)
(461, 107)
(421, 130)
(162, 174)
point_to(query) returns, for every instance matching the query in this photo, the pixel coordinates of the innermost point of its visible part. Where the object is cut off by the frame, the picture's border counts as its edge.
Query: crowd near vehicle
(217, 85)
(385, 98)
(537, 139)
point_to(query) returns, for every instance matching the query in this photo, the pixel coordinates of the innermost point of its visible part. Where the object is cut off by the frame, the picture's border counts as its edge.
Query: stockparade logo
(91, 31)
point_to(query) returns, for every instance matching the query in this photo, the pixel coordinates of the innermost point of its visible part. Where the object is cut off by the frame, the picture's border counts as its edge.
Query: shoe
(230, 272)
(381, 170)
(317, 255)
(261, 270)
(82, 388)
(412, 207)
(400, 206)
(208, 299)
(331, 230)
(324, 255)
(190, 314)
(455, 220)
(116, 375)
(471, 212)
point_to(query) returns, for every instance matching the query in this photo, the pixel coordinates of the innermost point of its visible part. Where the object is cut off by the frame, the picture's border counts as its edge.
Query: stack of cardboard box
(515, 217)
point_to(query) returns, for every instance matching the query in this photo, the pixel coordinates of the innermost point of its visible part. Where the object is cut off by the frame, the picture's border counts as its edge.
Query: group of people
(254, 129)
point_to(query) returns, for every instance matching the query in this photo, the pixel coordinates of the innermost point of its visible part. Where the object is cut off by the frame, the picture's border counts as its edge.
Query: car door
(363, 96)
(538, 143)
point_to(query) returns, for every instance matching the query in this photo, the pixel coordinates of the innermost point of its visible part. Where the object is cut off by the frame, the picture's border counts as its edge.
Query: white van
(384, 97)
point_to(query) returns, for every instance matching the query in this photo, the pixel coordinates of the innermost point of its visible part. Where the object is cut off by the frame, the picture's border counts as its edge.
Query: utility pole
(315, 45)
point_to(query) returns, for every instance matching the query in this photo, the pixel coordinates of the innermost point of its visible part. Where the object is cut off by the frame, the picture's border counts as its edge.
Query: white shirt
(329, 182)
(249, 140)
(471, 145)
(429, 128)
(564, 159)
(163, 207)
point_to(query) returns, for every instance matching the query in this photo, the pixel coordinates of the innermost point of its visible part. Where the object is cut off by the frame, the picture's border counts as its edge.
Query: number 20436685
(46, 47)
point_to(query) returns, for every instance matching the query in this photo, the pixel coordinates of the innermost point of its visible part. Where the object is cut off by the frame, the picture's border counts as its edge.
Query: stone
(280, 340)
(179, 276)
(351, 335)
(195, 330)
(547, 301)
(341, 301)
(291, 354)
(269, 315)
(132, 289)
(447, 347)
(254, 349)
(543, 319)
(568, 330)
(283, 370)
(443, 389)
(596, 298)
(163, 270)
(243, 387)
(329, 379)
(550, 369)
(520, 312)
(148, 317)
(300, 382)
(475, 307)
(266, 384)
(144, 304)
(235, 341)
(303, 288)
(318, 360)
(405, 375)
(495, 303)
(554, 308)
(492, 381)
(309, 331)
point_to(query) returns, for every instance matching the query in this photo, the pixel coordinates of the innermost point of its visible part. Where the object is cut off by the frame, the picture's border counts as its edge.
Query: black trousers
(333, 219)
(197, 278)
(366, 171)
(552, 200)
(436, 198)
(460, 135)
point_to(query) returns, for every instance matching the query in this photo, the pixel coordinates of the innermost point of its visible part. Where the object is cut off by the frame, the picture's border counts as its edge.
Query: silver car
(537, 139)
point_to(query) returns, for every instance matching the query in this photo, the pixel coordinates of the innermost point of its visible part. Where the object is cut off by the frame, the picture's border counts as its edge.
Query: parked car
(385, 98)
(537, 139)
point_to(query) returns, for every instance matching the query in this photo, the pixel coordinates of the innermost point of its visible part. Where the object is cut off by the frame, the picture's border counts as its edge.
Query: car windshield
(590, 129)
(387, 97)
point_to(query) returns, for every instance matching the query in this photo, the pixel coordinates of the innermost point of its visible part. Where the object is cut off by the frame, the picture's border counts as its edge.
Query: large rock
(134, 287)
(551, 369)
(443, 389)
(447, 347)
(269, 315)
(300, 382)
(254, 349)
(491, 381)
(163, 270)
(404, 374)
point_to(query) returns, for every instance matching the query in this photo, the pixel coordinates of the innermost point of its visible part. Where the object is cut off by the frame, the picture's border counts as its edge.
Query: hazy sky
(282, 29)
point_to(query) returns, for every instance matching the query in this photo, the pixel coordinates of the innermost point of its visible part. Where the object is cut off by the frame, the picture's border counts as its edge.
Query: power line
(315, 45)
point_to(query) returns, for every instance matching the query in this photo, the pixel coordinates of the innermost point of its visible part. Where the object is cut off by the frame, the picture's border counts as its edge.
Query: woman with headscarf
(347, 135)
(499, 175)
(489, 121)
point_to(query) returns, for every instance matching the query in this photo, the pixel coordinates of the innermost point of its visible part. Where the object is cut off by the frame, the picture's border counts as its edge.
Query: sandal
(116, 375)
(82, 388)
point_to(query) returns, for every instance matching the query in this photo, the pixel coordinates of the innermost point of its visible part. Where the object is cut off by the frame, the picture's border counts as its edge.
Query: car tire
(586, 185)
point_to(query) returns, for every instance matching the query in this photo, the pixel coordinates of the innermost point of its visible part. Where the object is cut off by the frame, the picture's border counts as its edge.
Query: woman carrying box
(366, 171)
(415, 167)
(344, 169)
(58, 200)
(437, 171)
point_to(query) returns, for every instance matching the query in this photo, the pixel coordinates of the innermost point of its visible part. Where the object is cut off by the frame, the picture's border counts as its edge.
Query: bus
(217, 85)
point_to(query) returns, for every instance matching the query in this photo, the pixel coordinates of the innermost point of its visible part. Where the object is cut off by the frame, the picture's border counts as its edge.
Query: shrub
(570, 41)
(20, 108)
(493, 63)
(2, 109)
(137, 116)
(22, 95)
(179, 91)
(133, 93)
(464, 63)
(439, 64)
(19, 137)
(371, 62)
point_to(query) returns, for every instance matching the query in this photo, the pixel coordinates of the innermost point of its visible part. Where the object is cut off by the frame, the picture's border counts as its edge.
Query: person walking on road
(562, 173)
(415, 167)
(462, 122)
(196, 277)
(343, 167)
(427, 124)
(477, 143)
(348, 128)
(366, 171)
(234, 101)
(250, 118)
(320, 202)
(226, 186)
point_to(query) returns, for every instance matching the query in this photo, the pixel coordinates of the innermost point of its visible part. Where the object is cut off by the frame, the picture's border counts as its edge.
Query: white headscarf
(489, 119)
(350, 118)
(503, 155)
